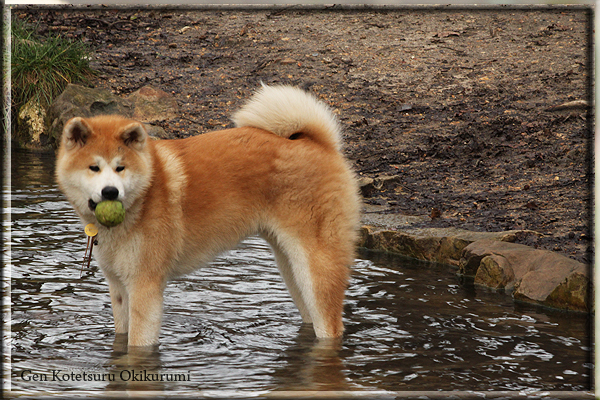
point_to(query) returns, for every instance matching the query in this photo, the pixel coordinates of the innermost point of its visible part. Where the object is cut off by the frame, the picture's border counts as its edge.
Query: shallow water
(410, 325)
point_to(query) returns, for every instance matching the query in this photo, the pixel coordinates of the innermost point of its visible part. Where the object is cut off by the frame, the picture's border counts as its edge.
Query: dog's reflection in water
(308, 364)
(312, 364)
(135, 368)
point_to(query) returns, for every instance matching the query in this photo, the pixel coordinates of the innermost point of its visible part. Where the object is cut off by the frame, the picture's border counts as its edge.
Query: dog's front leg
(119, 300)
(145, 310)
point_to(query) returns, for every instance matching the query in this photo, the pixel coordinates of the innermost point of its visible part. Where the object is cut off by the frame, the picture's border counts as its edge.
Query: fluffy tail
(290, 112)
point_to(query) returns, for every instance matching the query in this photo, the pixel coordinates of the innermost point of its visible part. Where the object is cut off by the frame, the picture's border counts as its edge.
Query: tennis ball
(110, 213)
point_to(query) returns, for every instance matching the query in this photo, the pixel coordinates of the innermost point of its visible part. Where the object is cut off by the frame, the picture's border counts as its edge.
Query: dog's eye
(120, 168)
(95, 168)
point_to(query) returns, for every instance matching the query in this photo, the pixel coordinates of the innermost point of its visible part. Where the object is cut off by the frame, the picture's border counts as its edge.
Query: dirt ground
(458, 104)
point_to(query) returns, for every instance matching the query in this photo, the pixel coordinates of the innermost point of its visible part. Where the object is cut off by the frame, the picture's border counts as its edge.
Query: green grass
(41, 67)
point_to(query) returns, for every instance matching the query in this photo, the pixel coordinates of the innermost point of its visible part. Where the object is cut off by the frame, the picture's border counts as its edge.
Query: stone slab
(530, 275)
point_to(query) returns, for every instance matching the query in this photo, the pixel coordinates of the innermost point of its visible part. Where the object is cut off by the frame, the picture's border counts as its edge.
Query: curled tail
(287, 111)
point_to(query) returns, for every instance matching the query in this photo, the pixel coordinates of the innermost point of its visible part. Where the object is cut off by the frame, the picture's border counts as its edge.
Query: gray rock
(443, 245)
(147, 105)
(156, 132)
(495, 272)
(370, 187)
(153, 105)
(530, 275)
(80, 101)
(534, 276)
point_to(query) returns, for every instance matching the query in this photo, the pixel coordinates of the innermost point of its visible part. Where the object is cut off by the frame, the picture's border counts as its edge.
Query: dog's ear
(134, 135)
(76, 133)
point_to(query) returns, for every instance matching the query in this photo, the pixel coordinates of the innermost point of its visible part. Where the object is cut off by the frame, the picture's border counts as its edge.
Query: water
(230, 327)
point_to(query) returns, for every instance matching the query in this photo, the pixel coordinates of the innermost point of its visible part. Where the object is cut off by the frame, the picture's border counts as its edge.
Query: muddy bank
(457, 106)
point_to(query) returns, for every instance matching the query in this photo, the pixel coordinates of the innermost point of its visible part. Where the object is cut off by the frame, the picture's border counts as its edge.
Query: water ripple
(232, 326)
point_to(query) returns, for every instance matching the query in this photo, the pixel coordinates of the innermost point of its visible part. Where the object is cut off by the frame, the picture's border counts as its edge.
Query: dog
(279, 174)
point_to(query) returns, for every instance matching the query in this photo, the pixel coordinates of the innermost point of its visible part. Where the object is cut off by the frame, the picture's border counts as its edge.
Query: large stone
(443, 245)
(147, 105)
(153, 105)
(534, 276)
(573, 293)
(495, 272)
(156, 131)
(80, 101)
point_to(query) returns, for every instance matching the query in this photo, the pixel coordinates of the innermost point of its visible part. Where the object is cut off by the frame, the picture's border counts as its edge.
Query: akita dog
(279, 174)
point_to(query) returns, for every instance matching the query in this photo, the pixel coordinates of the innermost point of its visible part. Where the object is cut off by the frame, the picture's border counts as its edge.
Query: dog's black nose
(110, 193)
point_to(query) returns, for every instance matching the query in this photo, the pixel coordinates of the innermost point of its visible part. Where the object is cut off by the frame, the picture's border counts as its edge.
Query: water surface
(232, 326)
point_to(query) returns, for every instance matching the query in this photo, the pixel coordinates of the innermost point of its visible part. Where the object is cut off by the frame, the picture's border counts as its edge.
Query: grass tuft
(41, 67)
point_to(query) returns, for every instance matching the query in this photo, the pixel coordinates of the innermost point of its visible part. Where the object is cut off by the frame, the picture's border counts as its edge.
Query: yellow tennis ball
(110, 213)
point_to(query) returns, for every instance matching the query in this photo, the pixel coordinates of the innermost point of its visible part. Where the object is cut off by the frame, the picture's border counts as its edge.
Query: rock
(369, 186)
(573, 292)
(423, 248)
(571, 105)
(156, 131)
(147, 105)
(153, 105)
(534, 276)
(287, 61)
(79, 101)
(29, 132)
(401, 234)
(495, 272)
(443, 245)
(530, 275)
(366, 185)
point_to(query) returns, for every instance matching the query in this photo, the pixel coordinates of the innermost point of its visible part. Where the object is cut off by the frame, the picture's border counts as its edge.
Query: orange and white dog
(279, 174)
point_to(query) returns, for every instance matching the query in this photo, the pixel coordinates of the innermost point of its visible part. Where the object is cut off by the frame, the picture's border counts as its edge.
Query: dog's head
(103, 158)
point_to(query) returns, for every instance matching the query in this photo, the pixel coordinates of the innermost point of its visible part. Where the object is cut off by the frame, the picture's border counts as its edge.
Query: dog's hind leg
(325, 279)
(317, 280)
(285, 269)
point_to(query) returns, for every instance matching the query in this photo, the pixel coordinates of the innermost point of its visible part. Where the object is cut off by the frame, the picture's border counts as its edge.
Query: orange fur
(188, 200)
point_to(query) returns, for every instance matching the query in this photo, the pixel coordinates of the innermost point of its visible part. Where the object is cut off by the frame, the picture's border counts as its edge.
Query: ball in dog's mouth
(110, 213)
